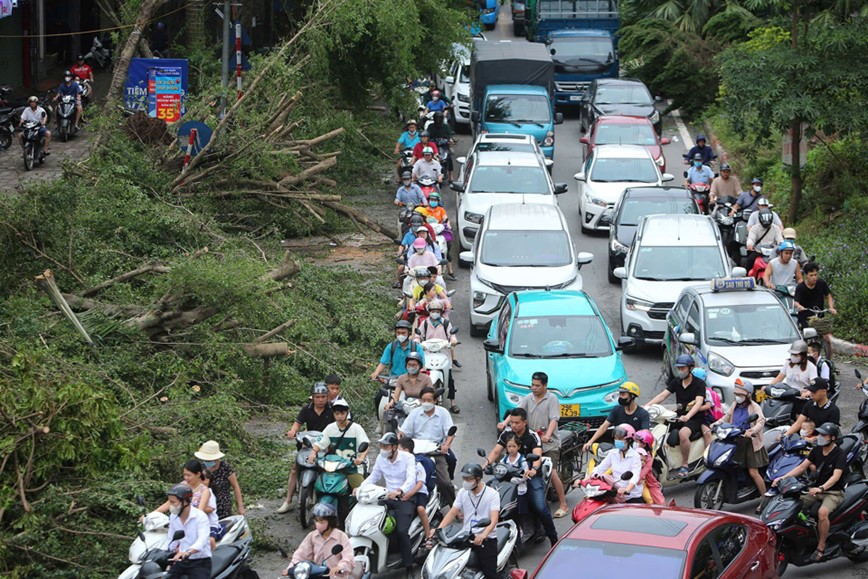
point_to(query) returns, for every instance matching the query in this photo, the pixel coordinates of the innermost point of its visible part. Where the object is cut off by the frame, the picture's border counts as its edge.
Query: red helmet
(645, 437)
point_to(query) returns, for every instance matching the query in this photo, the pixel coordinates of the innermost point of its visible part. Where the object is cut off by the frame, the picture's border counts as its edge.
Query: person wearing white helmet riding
(762, 204)
(343, 437)
(427, 166)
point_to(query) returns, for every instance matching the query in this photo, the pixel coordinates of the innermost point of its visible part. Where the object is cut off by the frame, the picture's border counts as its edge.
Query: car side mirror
(688, 338)
(739, 272)
(658, 98)
(667, 177)
(620, 272)
(579, 177)
(559, 118)
(549, 163)
(493, 346)
(585, 141)
(466, 256)
(584, 258)
(449, 80)
(626, 342)
(474, 116)
(665, 141)
(561, 188)
(457, 186)
(363, 447)
(460, 160)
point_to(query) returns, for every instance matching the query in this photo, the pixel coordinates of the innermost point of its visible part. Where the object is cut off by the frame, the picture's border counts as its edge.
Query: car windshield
(526, 248)
(559, 337)
(516, 146)
(580, 49)
(635, 209)
(626, 170)
(509, 179)
(679, 263)
(622, 134)
(749, 323)
(627, 94)
(518, 109)
(599, 559)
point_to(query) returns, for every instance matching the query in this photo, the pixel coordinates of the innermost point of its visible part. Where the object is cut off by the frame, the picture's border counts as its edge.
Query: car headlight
(617, 247)
(723, 458)
(549, 140)
(464, 98)
(661, 160)
(611, 397)
(597, 201)
(655, 116)
(633, 304)
(720, 365)
(475, 218)
(478, 298)
(302, 570)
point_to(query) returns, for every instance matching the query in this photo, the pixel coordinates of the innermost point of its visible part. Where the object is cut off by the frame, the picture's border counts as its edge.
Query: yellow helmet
(630, 388)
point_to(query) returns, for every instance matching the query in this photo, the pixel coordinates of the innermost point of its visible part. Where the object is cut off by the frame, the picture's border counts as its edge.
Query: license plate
(575, 98)
(571, 410)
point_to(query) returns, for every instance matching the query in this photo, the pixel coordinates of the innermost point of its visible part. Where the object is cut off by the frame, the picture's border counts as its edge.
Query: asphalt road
(477, 419)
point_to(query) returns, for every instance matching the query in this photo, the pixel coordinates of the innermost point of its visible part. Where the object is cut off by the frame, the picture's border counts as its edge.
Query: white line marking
(682, 128)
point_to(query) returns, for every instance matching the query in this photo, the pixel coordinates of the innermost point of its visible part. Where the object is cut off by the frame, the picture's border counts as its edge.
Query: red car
(618, 130)
(659, 542)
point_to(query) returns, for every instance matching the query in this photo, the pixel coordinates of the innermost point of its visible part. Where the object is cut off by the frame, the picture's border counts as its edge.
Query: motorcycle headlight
(302, 570)
(723, 458)
(371, 524)
(499, 470)
(725, 220)
(654, 412)
(617, 246)
(636, 304)
(473, 217)
(549, 140)
(655, 116)
(722, 433)
(720, 365)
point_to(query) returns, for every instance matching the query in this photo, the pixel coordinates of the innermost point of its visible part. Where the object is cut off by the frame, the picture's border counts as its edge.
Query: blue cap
(684, 360)
(787, 245)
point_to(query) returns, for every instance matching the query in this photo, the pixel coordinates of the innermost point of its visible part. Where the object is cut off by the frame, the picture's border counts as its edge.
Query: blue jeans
(536, 500)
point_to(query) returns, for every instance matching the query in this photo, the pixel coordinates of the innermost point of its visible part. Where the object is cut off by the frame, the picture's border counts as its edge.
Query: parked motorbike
(314, 570)
(797, 533)
(307, 474)
(98, 54)
(34, 145)
(724, 480)
(861, 427)
(7, 129)
(667, 459)
(66, 117)
(452, 555)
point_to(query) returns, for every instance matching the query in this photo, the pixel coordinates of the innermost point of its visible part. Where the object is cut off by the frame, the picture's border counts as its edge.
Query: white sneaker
(285, 507)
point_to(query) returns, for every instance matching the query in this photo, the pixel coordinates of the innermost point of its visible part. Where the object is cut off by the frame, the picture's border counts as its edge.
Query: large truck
(511, 87)
(582, 39)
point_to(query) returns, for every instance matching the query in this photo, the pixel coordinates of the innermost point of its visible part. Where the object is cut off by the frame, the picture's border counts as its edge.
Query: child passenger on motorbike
(317, 546)
(623, 460)
(653, 493)
(419, 493)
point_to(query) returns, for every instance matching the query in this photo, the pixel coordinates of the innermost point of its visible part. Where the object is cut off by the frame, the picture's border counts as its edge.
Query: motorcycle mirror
(454, 331)
(337, 549)
(531, 457)
(439, 392)
(452, 429)
(627, 475)
(142, 537)
(685, 174)
(858, 373)
(450, 293)
(178, 535)
(383, 392)
(481, 452)
(363, 447)
(306, 442)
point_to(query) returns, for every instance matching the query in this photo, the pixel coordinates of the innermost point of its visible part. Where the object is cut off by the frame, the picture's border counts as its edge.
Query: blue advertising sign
(142, 94)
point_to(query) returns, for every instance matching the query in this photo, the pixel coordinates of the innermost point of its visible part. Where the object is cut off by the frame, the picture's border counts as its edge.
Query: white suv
(521, 246)
(456, 84)
(670, 252)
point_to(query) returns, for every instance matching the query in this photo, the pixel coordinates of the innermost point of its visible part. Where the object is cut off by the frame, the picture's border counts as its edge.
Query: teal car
(561, 333)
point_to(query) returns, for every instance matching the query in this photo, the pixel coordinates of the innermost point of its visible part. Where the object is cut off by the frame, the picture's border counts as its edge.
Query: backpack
(430, 471)
(716, 410)
(833, 381)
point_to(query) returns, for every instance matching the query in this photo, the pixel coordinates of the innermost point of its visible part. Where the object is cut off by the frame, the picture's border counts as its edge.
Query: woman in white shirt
(623, 459)
(799, 370)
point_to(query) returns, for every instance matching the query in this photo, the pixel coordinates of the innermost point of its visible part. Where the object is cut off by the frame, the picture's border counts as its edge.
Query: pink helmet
(645, 437)
(624, 431)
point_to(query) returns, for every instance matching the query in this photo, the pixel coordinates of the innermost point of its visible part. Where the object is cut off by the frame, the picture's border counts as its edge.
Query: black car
(619, 96)
(634, 204)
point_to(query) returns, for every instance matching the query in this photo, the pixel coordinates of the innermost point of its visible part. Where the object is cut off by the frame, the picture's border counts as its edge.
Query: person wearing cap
(427, 166)
(830, 462)
(706, 153)
(436, 103)
(783, 270)
(690, 399)
(819, 410)
(409, 193)
(395, 353)
(436, 210)
(748, 199)
(812, 294)
(422, 255)
(81, 69)
(424, 141)
(699, 173)
(799, 254)
(192, 552)
(407, 140)
(33, 113)
(422, 230)
(764, 234)
(762, 204)
(724, 185)
(627, 411)
(222, 477)
(343, 437)
(397, 470)
(412, 383)
(749, 449)
(437, 327)
(71, 88)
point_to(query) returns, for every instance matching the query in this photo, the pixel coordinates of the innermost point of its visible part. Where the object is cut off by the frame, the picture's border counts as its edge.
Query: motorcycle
(739, 233)
(780, 405)
(307, 474)
(861, 427)
(725, 222)
(700, 193)
(98, 54)
(440, 233)
(66, 117)
(725, 480)
(331, 485)
(599, 492)
(786, 455)
(428, 185)
(797, 533)
(7, 129)
(758, 267)
(86, 90)
(667, 459)
(34, 145)
(438, 361)
(406, 163)
(404, 214)
(452, 555)
(313, 570)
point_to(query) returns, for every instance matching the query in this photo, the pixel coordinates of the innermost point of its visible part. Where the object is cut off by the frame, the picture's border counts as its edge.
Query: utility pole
(224, 77)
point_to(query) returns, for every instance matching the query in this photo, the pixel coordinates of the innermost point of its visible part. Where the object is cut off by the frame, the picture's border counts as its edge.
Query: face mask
(67, 78)
(412, 131)
(823, 440)
(795, 359)
(435, 98)
(757, 188)
(401, 339)
(209, 463)
(420, 250)
(804, 432)
(175, 509)
(433, 204)
(412, 370)
(386, 453)
(620, 444)
(407, 183)
(321, 526)
(697, 164)
(740, 399)
(468, 485)
(435, 315)
(427, 406)
(682, 374)
(624, 401)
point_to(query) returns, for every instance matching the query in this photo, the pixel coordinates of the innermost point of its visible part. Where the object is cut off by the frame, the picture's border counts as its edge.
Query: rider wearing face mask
(628, 411)
(831, 464)
(395, 353)
(413, 382)
(436, 327)
(699, 173)
(748, 199)
(475, 502)
(432, 422)
(317, 546)
(625, 460)
(819, 411)
(436, 210)
(421, 256)
(798, 371)
(409, 193)
(192, 553)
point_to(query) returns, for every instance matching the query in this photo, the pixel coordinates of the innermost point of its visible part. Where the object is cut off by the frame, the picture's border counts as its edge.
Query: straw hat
(209, 451)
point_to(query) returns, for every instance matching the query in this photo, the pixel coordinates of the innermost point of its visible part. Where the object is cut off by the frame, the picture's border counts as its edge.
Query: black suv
(618, 96)
(634, 204)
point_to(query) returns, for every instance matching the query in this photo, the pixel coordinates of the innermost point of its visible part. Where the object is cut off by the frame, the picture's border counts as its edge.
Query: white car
(506, 142)
(608, 170)
(456, 84)
(670, 252)
(521, 246)
(492, 177)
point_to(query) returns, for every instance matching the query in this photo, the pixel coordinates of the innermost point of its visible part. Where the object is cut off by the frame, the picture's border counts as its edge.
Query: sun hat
(209, 451)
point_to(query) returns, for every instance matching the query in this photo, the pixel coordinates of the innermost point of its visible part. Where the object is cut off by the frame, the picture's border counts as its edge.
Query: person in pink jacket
(317, 546)
(645, 447)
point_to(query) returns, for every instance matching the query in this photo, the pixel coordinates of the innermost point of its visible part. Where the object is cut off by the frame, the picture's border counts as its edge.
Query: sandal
(560, 513)
(455, 409)
(682, 472)
(456, 363)
(818, 555)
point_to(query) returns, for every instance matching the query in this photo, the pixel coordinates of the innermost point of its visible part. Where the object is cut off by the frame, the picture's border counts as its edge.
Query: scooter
(440, 232)
(861, 427)
(66, 117)
(313, 570)
(307, 474)
(779, 405)
(7, 129)
(667, 459)
(98, 54)
(797, 533)
(725, 222)
(787, 454)
(739, 232)
(725, 480)
(428, 185)
(438, 361)
(331, 485)
(453, 557)
(700, 193)
(34, 145)
(599, 492)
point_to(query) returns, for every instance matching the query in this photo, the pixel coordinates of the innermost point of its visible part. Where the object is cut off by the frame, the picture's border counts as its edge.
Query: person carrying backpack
(825, 368)
(426, 479)
(713, 407)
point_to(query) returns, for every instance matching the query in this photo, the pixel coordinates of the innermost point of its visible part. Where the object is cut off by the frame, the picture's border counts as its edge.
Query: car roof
(529, 89)
(622, 120)
(656, 192)
(710, 298)
(554, 302)
(677, 229)
(621, 152)
(504, 137)
(524, 217)
(619, 81)
(508, 158)
(648, 525)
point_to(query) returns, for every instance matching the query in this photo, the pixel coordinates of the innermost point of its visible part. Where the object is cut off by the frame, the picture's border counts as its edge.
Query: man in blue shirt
(436, 103)
(409, 193)
(699, 173)
(408, 138)
(748, 199)
(395, 353)
(73, 89)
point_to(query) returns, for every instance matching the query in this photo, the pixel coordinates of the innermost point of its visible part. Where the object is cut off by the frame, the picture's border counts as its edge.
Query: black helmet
(725, 167)
(403, 325)
(829, 429)
(413, 356)
(766, 218)
(417, 219)
(319, 388)
(697, 157)
(67, 73)
(438, 116)
(185, 493)
(80, 57)
(471, 469)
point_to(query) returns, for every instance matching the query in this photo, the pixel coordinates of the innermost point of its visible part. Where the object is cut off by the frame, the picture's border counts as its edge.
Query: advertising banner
(157, 86)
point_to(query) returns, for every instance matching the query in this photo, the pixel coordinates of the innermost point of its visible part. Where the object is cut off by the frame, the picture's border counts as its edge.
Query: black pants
(637, 500)
(191, 569)
(450, 392)
(403, 511)
(486, 553)
(444, 481)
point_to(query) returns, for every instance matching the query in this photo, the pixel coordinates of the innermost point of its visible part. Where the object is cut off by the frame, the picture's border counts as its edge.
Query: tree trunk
(796, 130)
(195, 24)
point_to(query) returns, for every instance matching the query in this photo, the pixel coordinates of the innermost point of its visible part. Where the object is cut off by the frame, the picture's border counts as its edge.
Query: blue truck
(511, 91)
(581, 36)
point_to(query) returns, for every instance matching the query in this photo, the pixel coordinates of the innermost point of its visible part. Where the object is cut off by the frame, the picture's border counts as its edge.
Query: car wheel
(667, 365)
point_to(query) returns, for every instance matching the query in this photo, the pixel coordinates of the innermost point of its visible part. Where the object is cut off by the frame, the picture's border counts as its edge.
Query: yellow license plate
(571, 410)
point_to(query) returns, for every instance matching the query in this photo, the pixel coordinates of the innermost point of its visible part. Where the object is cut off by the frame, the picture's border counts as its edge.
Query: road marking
(682, 128)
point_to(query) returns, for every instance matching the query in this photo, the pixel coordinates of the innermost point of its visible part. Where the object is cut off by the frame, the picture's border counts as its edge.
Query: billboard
(158, 86)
